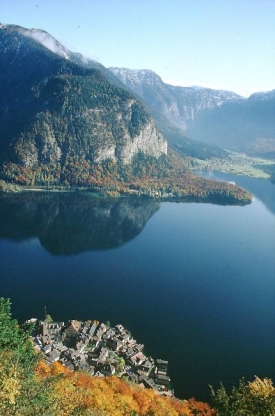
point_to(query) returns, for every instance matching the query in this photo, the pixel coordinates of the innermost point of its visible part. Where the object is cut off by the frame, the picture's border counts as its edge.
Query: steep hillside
(177, 104)
(54, 111)
(172, 107)
(217, 118)
(64, 124)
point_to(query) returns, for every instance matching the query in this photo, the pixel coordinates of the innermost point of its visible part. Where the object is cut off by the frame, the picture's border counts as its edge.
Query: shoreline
(237, 164)
(101, 350)
(186, 188)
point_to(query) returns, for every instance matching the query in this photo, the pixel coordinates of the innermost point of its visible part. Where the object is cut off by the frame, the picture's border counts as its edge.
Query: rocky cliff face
(212, 117)
(177, 104)
(55, 108)
(148, 141)
(174, 107)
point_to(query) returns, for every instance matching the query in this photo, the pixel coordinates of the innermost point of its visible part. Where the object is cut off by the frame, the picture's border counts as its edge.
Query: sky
(221, 44)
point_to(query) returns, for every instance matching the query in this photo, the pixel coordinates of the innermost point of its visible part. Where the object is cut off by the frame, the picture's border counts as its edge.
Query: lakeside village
(100, 350)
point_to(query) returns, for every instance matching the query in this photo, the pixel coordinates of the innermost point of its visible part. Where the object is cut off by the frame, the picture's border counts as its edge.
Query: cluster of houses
(102, 351)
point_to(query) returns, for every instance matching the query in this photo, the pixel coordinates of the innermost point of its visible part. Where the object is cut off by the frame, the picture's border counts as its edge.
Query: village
(100, 350)
(235, 163)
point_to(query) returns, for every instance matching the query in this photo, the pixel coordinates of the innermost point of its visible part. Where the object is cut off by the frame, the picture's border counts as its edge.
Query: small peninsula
(166, 178)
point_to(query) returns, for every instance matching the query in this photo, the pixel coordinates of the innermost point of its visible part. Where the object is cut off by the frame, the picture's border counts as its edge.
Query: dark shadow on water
(72, 223)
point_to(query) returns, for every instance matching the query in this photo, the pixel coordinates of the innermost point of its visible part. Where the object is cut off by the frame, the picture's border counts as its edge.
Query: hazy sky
(226, 44)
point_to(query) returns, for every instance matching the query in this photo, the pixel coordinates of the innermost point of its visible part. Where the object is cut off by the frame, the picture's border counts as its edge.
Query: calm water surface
(194, 282)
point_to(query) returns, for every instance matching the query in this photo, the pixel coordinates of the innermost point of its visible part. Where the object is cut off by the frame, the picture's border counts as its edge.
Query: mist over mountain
(55, 109)
(65, 120)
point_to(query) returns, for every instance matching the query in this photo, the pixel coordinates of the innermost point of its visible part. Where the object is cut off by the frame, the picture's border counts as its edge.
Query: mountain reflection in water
(195, 284)
(68, 223)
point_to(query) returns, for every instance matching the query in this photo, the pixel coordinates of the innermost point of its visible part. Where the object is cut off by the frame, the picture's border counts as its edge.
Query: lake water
(194, 282)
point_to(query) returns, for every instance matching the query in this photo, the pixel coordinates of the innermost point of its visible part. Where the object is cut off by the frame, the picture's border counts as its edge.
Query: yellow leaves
(151, 403)
(9, 381)
(9, 385)
(261, 388)
(80, 393)
(254, 398)
(57, 368)
(42, 369)
(125, 404)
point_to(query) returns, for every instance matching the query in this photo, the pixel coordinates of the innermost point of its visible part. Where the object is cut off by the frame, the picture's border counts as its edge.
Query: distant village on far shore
(100, 350)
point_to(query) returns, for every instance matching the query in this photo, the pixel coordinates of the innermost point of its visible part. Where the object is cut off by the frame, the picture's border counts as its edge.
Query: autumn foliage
(28, 386)
(256, 398)
(166, 177)
(79, 393)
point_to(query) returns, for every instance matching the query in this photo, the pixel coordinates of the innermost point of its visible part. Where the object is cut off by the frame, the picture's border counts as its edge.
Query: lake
(193, 282)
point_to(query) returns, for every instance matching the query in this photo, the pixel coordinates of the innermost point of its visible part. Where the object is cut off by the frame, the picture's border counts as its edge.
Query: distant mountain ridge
(170, 108)
(211, 117)
(177, 104)
(247, 126)
(263, 95)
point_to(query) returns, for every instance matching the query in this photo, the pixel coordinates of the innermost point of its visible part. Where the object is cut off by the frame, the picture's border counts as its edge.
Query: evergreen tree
(20, 391)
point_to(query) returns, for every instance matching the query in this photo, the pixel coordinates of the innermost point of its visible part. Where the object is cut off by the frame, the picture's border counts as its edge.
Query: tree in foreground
(20, 391)
(256, 398)
(30, 387)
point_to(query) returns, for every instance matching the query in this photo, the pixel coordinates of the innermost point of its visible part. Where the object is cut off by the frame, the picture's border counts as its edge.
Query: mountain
(62, 123)
(57, 112)
(177, 104)
(210, 117)
(173, 107)
(245, 125)
(263, 95)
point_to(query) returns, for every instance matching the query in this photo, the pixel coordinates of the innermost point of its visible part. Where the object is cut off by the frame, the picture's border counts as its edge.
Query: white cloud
(47, 41)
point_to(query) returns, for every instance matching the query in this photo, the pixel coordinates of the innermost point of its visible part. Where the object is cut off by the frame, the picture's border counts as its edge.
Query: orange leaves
(118, 385)
(57, 368)
(145, 400)
(80, 393)
(42, 369)
(200, 408)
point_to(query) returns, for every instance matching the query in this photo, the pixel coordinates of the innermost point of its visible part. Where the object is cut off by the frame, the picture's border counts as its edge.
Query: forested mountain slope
(54, 112)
